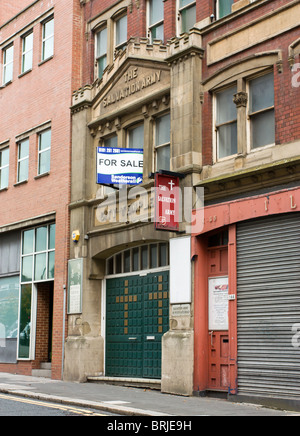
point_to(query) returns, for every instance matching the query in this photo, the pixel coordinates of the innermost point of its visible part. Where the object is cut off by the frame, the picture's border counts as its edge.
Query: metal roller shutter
(268, 306)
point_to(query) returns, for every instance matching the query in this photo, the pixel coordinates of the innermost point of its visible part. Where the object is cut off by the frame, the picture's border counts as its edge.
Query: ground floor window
(9, 307)
(148, 256)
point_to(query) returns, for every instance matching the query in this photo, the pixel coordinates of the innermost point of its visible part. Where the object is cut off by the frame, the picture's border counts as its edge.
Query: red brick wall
(287, 102)
(41, 95)
(10, 8)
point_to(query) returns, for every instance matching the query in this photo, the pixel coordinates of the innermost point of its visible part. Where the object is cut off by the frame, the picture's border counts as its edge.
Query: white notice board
(218, 303)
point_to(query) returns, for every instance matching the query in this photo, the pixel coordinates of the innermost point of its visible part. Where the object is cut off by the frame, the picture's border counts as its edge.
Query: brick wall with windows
(30, 104)
(286, 103)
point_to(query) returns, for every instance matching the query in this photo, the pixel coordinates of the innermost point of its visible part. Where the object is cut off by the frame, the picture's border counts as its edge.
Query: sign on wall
(218, 303)
(167, 202)
(119, 166)
(75, 269)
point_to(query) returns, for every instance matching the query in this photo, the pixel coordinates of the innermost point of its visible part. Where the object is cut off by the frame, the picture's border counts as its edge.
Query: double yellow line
(77, 410)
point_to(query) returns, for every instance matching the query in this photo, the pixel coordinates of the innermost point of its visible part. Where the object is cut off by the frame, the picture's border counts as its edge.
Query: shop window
(4, 168)
(23, 161)
(38, 254)
(155, 18)
(101, 51)
(162, 142)
(120, 33)
(226, 123)
(8, 62)
(223, 8)
(48, 39)
(135, 137)
(27, 52)
(261, 111)
(146, 257)
(186, 15)
(25, 322)
(44, 152)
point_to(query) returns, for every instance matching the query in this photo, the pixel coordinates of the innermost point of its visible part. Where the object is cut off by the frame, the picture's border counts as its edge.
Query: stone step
(46, 373)
(45, 365)
(126, 381)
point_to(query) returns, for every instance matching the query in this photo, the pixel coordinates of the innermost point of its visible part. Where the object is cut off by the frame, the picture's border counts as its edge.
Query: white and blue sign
(119, 166)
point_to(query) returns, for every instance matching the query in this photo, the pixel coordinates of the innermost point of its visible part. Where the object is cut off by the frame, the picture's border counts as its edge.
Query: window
(27, 50)
(186, 15)
(224, 8)
(135, 137)
(8, 61)
(37, 264)
(261, 111)
(121, 33)
(38, 253)
(4, 168)
(101, 51)
(48, 39)
(156, 19)
(111, 142)
(44, 152)
(146, 257)
(162, 142)
(23, 160)
(226, 123)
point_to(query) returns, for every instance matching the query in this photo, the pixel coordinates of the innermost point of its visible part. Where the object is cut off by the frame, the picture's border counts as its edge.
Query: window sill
(24, 74)
(21, 183)
(4, 189)
(45, 60)
(6, 84)
(40, 176)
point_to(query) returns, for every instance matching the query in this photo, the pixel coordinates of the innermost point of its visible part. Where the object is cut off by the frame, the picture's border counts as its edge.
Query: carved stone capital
(240, 99)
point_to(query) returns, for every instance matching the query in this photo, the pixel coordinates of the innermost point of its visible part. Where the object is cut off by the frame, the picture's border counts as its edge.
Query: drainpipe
(63, 332)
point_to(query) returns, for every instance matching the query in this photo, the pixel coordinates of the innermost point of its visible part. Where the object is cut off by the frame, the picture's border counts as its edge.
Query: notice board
(75, 268)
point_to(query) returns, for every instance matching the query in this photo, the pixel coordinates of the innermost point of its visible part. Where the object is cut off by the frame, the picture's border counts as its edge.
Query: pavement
(127, 401)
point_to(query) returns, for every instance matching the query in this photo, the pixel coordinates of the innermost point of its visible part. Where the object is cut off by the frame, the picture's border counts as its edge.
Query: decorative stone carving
(240, 99)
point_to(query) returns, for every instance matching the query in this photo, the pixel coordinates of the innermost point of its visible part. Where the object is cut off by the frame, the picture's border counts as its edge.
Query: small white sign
(218, 303)
(181, 309)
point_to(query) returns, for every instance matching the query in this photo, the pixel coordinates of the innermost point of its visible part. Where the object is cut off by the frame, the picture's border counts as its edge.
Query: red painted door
(218, 342)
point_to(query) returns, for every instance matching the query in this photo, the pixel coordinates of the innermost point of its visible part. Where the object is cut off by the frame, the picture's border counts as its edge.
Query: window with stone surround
(186, 14)
(261, 111)
(226, 123)
(101, 51)
(155, 19)
(244, 116)
(223, 8)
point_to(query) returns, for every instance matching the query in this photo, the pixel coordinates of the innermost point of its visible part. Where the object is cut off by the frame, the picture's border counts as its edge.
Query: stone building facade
(224, 76)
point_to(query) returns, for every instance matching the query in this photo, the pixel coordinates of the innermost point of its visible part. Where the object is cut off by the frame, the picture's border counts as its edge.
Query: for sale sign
(167, 202)
(119, 166)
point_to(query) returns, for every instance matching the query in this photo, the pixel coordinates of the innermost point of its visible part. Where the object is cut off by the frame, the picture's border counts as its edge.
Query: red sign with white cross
(167, 202)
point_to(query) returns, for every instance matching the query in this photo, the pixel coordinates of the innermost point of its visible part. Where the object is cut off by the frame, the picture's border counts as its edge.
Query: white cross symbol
(171, 183)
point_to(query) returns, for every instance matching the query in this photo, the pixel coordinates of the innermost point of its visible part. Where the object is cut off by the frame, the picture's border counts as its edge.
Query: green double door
(137, 316)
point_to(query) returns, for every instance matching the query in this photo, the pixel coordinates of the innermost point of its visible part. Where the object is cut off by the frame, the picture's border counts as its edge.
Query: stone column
(185, 60)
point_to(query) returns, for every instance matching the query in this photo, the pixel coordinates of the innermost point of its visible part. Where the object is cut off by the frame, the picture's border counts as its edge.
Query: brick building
(223, 78)
(39, 59)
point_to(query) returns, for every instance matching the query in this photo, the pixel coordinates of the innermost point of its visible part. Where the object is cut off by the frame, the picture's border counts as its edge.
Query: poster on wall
(119, 166)
(75, 269)
(218, 304)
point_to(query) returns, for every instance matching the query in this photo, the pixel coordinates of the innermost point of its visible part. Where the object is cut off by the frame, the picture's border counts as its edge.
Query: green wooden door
(137, 315)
